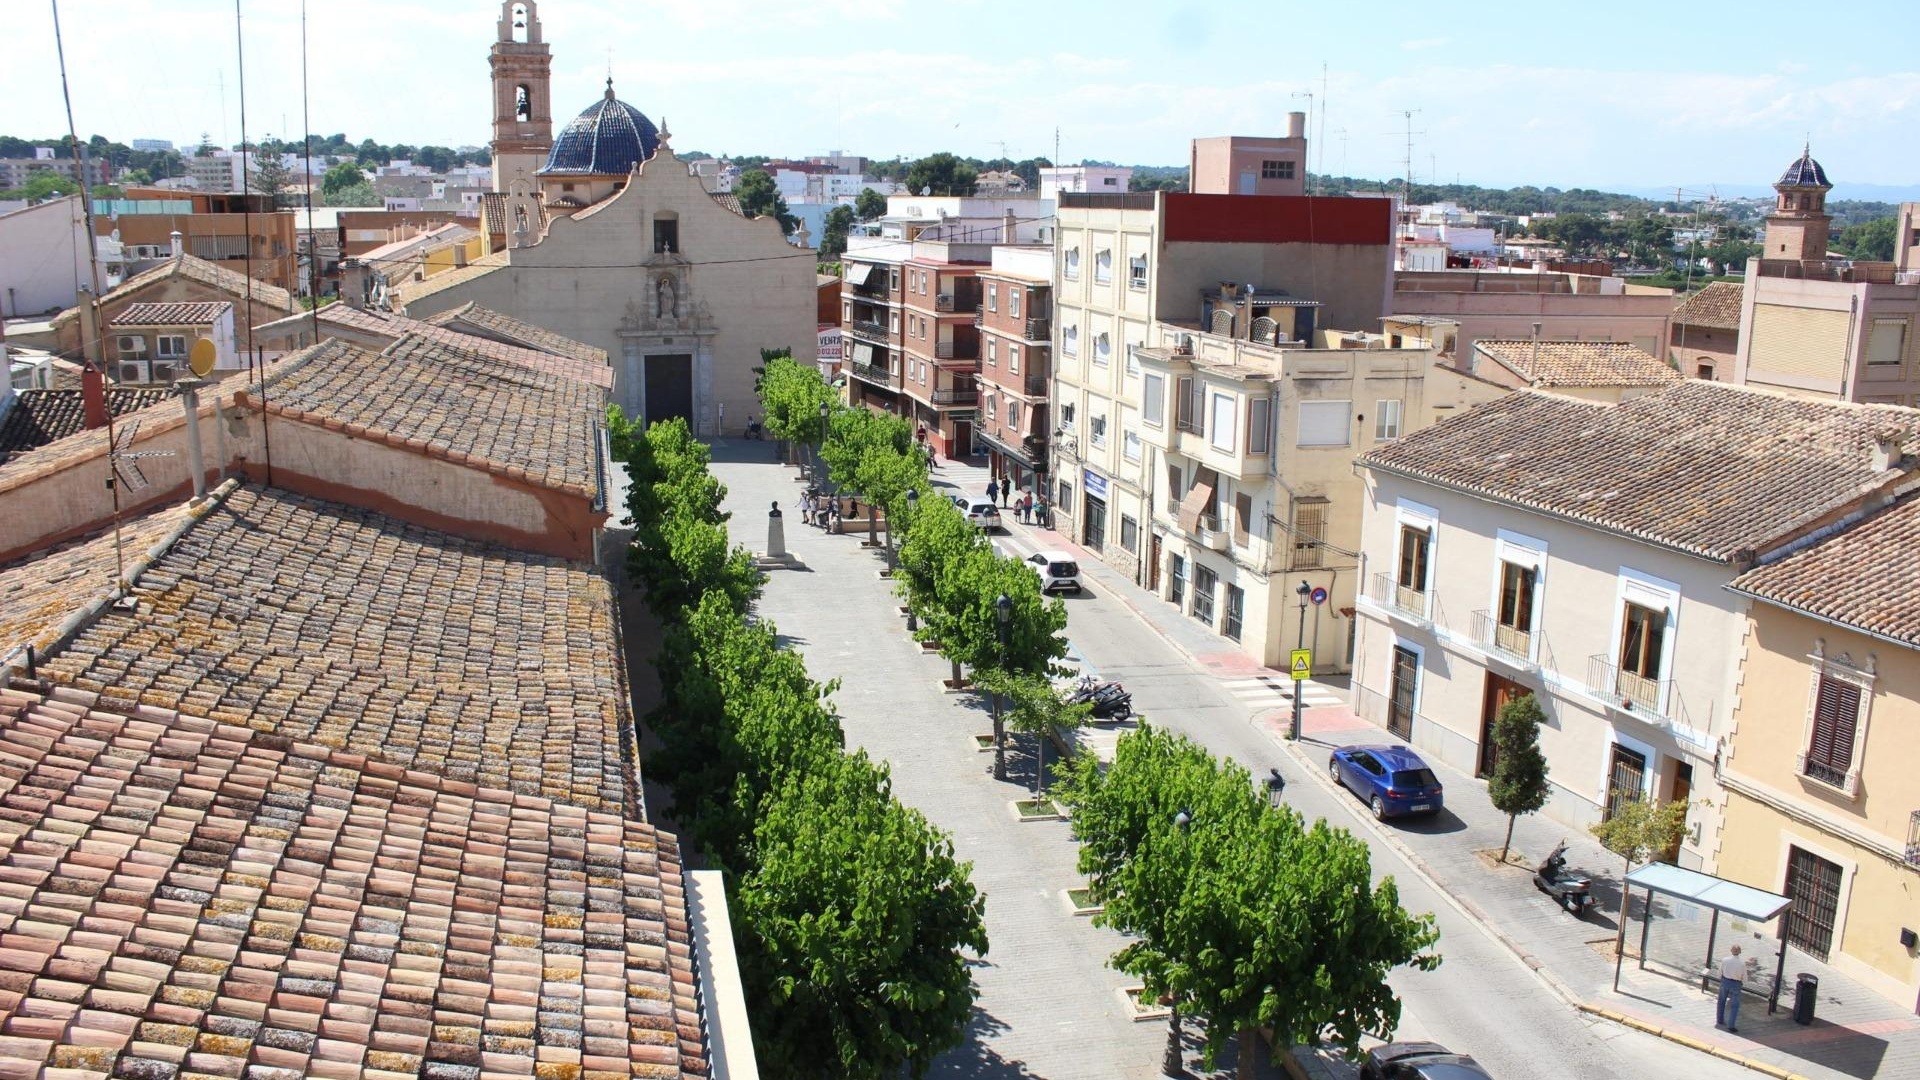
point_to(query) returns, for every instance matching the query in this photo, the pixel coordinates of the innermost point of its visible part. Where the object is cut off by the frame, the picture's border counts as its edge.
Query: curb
(1688, 1041)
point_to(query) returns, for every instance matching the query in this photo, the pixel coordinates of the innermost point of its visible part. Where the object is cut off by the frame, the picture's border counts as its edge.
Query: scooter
(1568, 888)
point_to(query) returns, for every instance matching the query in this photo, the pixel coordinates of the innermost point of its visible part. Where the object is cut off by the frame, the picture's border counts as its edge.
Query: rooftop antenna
(1322, 129)
(1408, 161)
(124, 463)
(313, 241)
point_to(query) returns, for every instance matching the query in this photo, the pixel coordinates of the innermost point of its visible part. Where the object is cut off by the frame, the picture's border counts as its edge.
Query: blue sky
(1617, 95)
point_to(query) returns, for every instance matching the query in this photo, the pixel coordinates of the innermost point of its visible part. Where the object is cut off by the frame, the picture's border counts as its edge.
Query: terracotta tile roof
(1716, 306)
(728, 200)
(203, 313)
(266, 298)
(319, 621)
(43, 590)
(1865, 577)
(452, 402)
(473, 319)
(493, 212)
(388, 328)
(39, 417)
(1579, 363)
(406, 292)
(1712, 469)
(185, 898)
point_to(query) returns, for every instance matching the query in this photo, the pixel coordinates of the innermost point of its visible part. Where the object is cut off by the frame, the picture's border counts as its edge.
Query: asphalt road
(1482, 1000)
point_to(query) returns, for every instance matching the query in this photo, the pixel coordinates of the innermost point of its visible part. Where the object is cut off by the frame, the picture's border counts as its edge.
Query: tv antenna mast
(1408, 162)
(124, 471)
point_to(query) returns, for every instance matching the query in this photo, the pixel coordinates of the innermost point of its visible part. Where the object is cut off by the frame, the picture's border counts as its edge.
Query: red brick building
(1016, 365)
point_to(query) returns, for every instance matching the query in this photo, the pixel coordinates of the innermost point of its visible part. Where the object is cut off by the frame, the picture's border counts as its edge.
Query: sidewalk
(1856, 1033)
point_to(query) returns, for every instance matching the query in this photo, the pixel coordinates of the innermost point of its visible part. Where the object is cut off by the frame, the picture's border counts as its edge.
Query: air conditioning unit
(130, 373)
(129, 344)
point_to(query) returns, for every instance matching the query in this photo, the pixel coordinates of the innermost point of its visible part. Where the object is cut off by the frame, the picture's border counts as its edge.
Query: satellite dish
(201, 358)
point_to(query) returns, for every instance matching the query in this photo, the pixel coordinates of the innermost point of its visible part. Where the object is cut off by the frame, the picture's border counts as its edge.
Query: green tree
(1239, 912)
(873, 454)
(833, 233)
(268, 174)
(1872, 240)
(869, 204)
(1029, 171)
(206, 147)
(339, 178)
(1637, 830)
(138, 177)
(791, 394)
(108, 191)
(1519, 783)
(1035, 707)
(47, 184)
(680, 550)
(361, 194)
(858, 923)
(758, 197)
(941, 174)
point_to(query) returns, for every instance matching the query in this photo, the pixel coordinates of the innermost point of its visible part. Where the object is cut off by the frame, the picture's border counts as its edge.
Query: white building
(1084, 180)
(1005, 219)
(1579, 551)
(43, 257)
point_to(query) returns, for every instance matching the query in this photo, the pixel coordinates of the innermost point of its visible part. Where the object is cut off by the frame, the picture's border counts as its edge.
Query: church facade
(614, 242)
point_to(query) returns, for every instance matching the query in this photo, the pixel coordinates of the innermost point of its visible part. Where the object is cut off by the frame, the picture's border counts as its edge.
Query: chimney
(1007, 223)
(1886, 453)
(1297, 125)
(93, 396)
(174, 238)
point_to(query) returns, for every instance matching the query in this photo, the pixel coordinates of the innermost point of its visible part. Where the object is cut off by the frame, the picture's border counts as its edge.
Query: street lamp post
(1275, 785)
(913, 507)
(1003, 621)
(1303, 592)
(1173, 1064)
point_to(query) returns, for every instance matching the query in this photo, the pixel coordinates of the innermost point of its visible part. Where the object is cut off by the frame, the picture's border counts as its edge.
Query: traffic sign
(1319, 595)
(1301, 662)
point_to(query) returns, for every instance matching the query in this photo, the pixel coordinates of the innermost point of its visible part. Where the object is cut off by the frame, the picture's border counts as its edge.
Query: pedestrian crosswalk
(1274, 691)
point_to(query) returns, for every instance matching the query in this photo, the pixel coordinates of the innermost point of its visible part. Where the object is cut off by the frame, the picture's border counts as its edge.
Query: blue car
(1392, 779)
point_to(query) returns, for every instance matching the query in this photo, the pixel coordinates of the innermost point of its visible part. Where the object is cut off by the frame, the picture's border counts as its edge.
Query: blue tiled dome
(610, 138)
(1805, 172)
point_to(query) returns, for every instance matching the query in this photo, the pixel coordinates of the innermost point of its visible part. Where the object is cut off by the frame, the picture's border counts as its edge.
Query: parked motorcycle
(1110, 700)
(1569, 888)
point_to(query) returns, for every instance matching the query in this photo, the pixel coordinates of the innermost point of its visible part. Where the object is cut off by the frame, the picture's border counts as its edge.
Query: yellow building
(1822, 799)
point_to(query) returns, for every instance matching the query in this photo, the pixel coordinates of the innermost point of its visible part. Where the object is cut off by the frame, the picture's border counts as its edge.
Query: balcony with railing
(876, 374)
(956, 396)
(868, 330)
(957, 349)
(1626, 690)
(1039, 330)
(957, 303)
(1513, 643)
(1402, 599)
(1913, 839)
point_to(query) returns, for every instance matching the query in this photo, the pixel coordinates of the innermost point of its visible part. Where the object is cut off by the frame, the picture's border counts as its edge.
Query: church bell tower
(1799, 226)
(522, 113)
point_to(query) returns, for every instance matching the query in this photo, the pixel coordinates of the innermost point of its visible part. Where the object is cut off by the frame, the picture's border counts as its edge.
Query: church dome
(608, 139)
(1805, 172)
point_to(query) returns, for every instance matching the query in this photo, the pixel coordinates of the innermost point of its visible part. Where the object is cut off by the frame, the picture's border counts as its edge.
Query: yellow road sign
(1301, 662)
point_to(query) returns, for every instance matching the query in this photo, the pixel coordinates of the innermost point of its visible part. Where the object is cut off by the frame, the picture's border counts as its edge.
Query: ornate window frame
(1840, 668)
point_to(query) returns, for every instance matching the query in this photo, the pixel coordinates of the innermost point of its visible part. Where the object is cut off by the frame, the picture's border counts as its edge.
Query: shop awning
(1198, 498)
(858, 272)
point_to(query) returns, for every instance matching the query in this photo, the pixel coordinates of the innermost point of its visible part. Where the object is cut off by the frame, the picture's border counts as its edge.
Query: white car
(984, 514)
(1058, 572)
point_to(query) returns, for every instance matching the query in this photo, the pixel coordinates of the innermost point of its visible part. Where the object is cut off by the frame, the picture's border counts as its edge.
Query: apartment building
(1823, 804)
(149, 343)
(1245, 449)
(872, 296)
(940, 342)
(1832, 328)
(15, 172)
(1248, 273)
(1016, 367)
(1580, 551)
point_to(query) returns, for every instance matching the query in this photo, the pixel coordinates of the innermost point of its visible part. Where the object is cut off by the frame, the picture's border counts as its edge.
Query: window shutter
(1324, 423)
(1836, 711)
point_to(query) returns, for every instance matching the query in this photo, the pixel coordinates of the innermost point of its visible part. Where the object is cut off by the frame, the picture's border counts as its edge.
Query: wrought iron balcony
(1389, 593)
(1040, 330)
(1490, 633)
(877, 374)
(1627, 690)
(956, 397)
(868, 330)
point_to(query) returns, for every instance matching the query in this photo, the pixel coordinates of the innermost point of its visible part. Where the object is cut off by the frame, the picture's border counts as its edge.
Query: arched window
(520, 23)
(522, 103)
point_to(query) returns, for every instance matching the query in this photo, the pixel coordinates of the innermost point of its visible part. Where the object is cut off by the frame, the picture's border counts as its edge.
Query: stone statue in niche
(664, 302)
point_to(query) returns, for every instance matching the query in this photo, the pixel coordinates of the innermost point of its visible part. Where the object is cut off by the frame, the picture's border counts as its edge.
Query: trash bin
(1805, 989)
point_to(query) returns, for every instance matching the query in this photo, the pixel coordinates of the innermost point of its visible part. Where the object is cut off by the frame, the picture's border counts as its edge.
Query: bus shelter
(1714, 894)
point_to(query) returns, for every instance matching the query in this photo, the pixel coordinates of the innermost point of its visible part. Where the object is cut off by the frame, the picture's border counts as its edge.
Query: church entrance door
(669, 387)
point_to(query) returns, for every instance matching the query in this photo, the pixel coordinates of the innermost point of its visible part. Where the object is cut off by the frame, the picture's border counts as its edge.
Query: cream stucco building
(615, 242)
(1579, 551)
(1823, 803)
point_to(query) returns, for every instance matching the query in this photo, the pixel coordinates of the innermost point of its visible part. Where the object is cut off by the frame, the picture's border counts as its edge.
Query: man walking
(993, 490)
(1733, 974)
